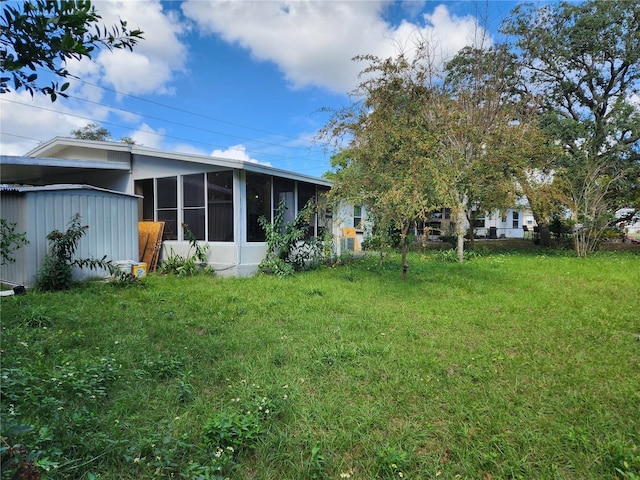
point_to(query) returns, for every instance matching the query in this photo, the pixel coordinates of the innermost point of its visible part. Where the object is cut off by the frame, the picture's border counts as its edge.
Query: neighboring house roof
(57, 146)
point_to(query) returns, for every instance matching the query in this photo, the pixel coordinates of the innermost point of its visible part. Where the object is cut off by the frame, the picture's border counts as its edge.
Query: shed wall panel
(13, 211)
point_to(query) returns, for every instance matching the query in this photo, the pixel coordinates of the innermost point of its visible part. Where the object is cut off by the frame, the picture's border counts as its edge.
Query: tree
(387, 146)
(582, 61)
(423, 139)
(44, 34)
(540, 179)
(92, 131)
(482, 125)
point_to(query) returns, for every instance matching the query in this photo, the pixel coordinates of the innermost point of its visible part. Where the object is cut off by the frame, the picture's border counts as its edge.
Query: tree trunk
(403, 241)
(585, 242)
(460, 247)
(472, 238)
(460, 234)
(405, 266)
(544, 235)
(470, 233)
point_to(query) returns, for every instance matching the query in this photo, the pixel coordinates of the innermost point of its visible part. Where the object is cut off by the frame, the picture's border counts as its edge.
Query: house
(220, 200)
(508, 223)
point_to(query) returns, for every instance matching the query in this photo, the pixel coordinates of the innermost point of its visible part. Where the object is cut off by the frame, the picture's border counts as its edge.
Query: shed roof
(59, 188)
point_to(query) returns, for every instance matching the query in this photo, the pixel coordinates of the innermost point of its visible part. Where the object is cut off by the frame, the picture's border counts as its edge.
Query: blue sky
(245, 79)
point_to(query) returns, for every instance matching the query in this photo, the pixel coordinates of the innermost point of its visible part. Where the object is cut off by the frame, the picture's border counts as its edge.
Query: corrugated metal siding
(112, 220)
(12, 209)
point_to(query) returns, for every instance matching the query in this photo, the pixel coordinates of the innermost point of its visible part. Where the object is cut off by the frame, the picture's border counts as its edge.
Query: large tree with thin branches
(582, 62)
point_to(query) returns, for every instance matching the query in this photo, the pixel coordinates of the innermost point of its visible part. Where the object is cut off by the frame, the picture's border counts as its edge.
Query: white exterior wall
(506, 228)
(343, 217)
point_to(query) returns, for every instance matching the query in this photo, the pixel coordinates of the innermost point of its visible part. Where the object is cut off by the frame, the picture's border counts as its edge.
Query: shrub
(288, 248)
(10, 241)
(56, 271)
(189, 265)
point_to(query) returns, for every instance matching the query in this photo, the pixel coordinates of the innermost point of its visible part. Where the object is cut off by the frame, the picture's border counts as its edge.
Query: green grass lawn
(509, 366)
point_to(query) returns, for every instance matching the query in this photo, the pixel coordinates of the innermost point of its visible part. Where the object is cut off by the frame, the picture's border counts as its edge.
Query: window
(516, 218)
(258, 204)
(478, 219)
(167, 197)
(447, 213)
(193, 211)
(357, 217)
(220, 204)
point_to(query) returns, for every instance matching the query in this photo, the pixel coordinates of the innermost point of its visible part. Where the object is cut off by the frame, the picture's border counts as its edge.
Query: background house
(508, 223)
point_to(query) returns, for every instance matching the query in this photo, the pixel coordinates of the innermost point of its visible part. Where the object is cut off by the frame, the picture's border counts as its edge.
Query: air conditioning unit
(347, 244)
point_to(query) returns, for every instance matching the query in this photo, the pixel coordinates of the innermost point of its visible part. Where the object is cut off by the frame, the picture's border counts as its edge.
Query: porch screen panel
(167, 208)
(220, 205)
(284, 189)
(193, 203)
(325, 214)
(306, 193)
(258, 204)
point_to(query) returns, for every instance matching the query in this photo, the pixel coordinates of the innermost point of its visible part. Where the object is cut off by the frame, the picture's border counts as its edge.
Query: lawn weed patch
(511, 365)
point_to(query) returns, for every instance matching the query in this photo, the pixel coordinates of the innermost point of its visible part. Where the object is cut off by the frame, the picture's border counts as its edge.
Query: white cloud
(413, 7)
(187, 148)
(150, 67)
(237, 152)
(148, 137)
(313, 41)
(28, 121)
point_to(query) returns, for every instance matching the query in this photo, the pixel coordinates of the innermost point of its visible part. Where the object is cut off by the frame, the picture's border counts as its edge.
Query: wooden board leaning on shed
(150, 242)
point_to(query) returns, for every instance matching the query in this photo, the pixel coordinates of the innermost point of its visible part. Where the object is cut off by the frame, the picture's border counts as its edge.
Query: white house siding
(112, 220)
(505, 225)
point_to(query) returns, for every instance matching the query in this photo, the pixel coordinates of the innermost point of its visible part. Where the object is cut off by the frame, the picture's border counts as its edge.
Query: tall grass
(508, 366)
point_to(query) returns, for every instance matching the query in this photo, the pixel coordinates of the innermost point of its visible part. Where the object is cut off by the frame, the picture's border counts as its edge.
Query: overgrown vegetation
(10, 241)
(289, 249)
(511, 365)
(56, 272)
(190, 264)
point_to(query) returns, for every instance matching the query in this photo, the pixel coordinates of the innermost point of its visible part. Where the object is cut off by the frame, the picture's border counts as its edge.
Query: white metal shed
(112, 218)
